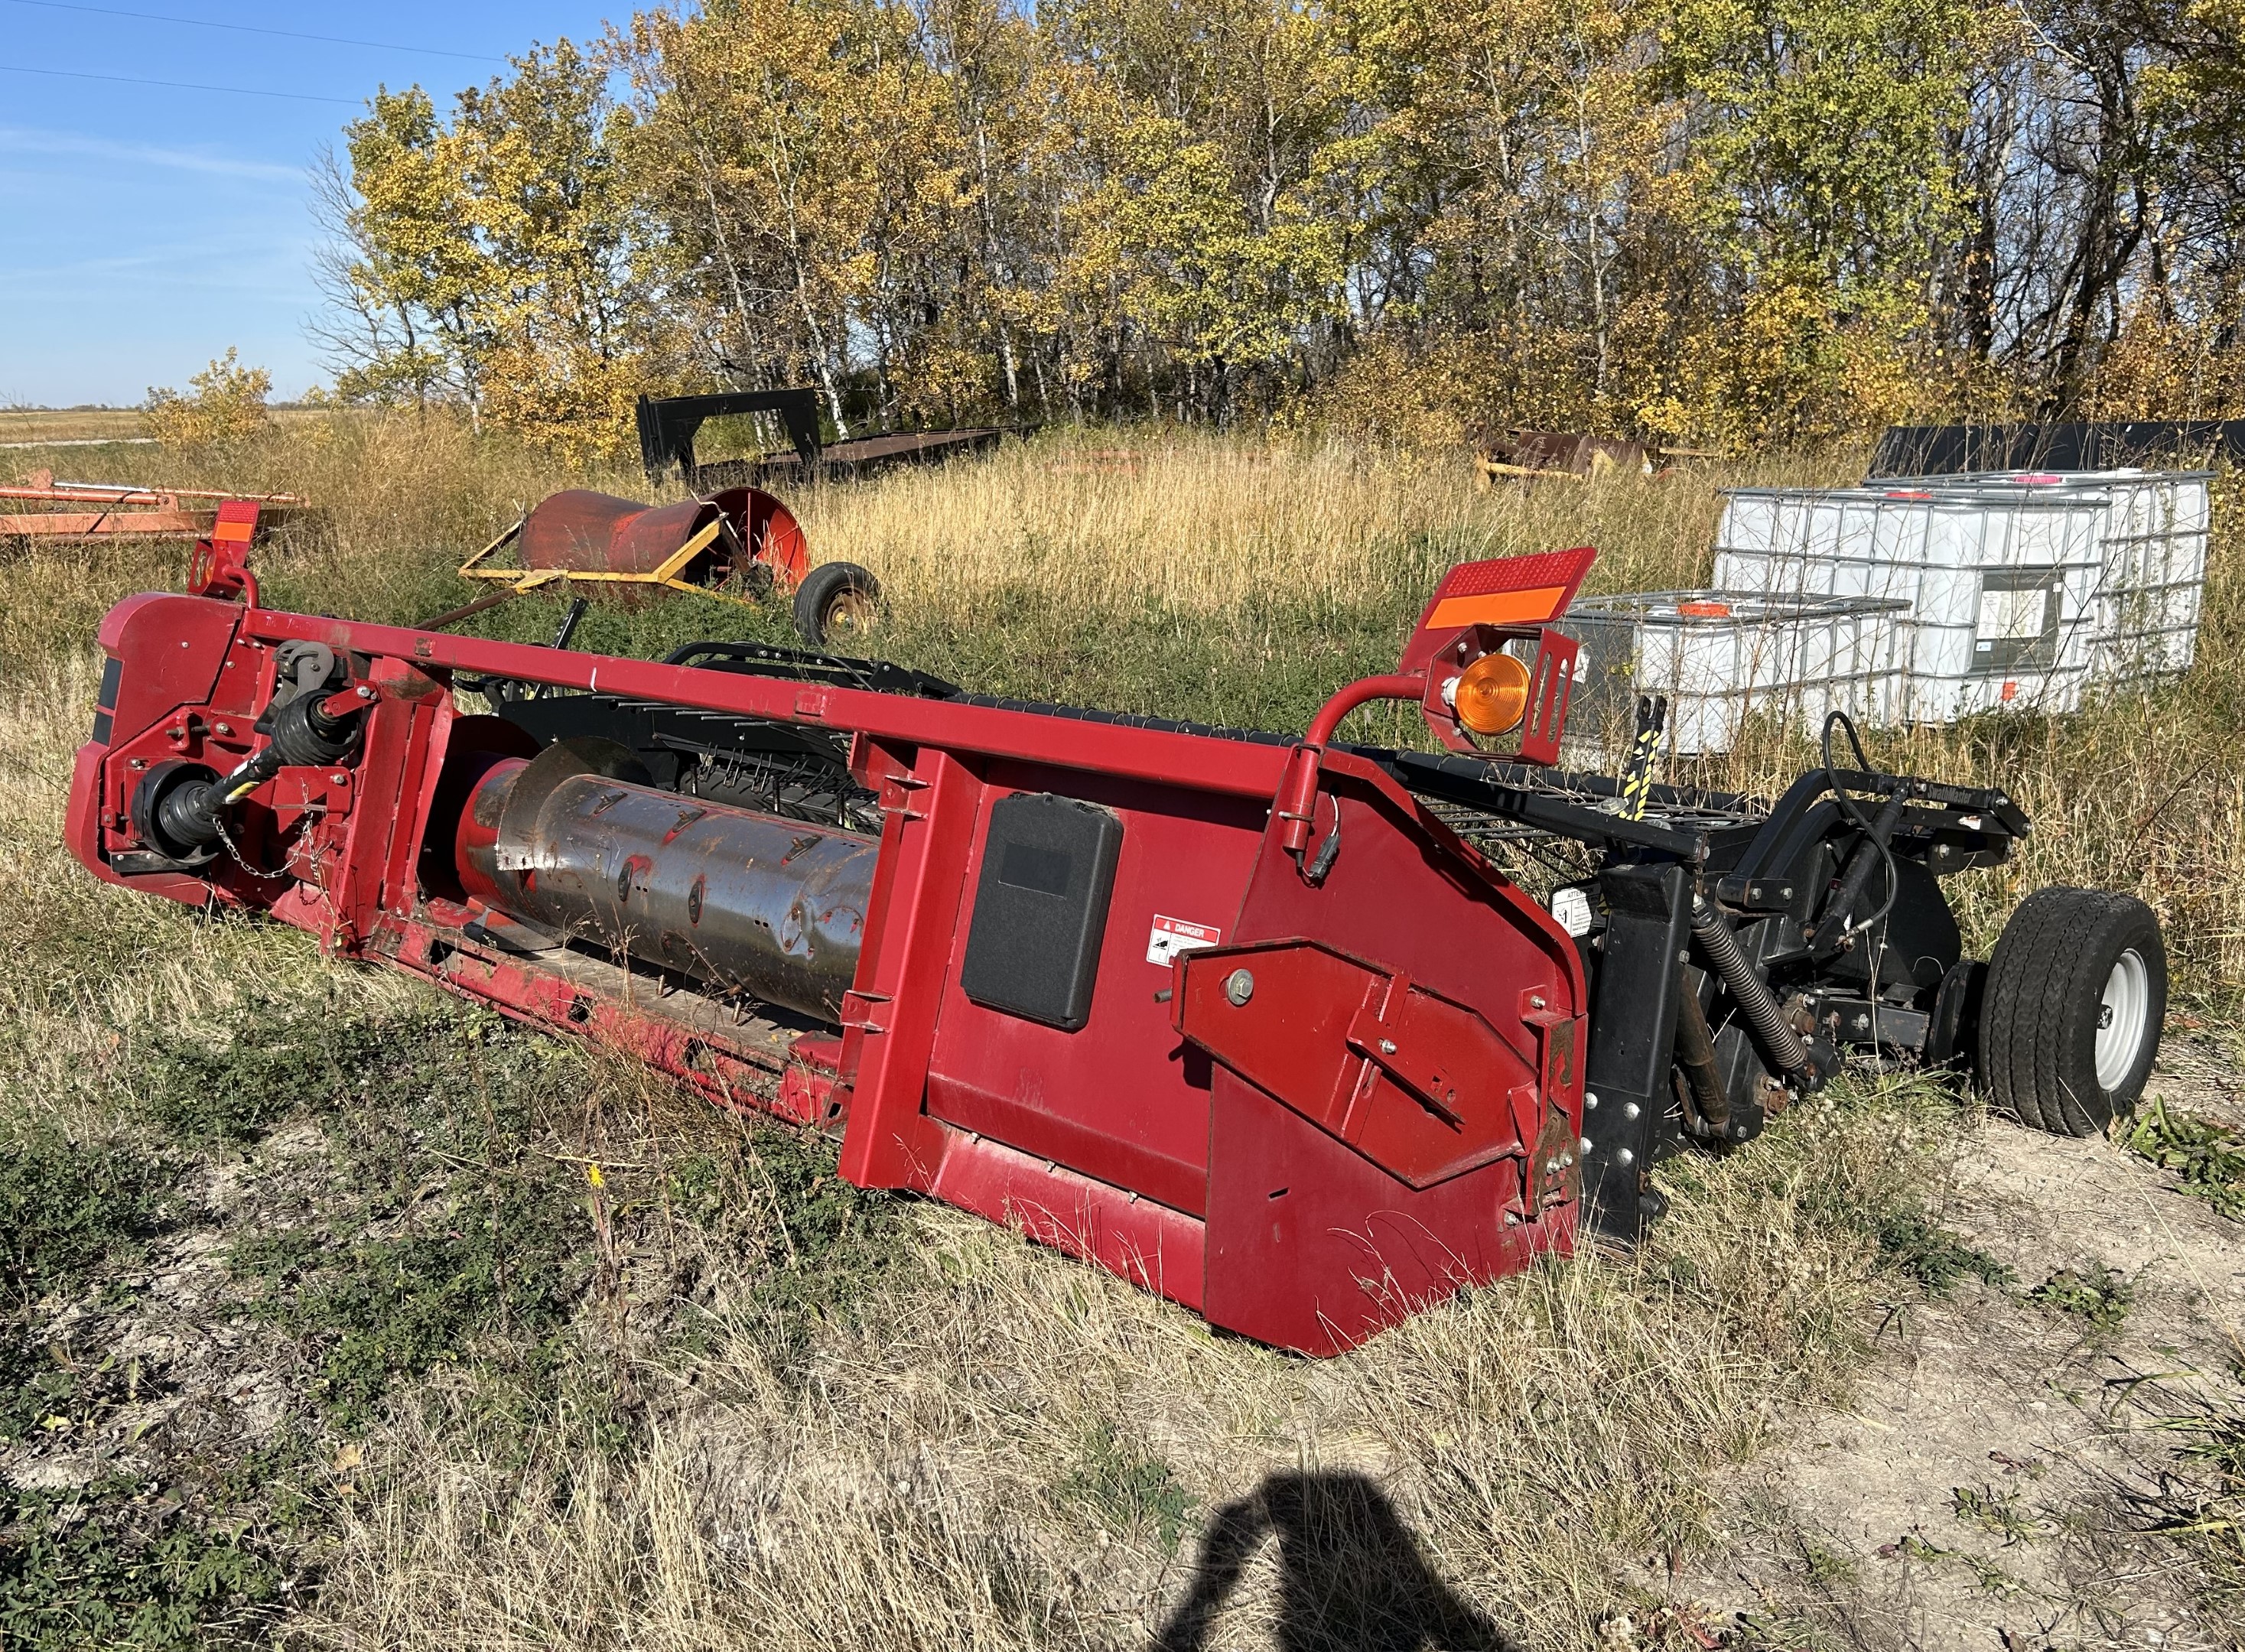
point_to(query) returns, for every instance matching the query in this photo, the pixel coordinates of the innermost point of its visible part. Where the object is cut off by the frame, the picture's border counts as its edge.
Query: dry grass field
(21, 427)
(320, 1331)
(78, 427)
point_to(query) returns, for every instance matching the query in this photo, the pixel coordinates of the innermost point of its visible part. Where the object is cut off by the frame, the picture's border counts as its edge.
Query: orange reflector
(1704, 610)
(1492, 694)
(1497, 608)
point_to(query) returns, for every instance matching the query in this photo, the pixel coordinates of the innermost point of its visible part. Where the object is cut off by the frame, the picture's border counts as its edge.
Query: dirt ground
(1992, 1486)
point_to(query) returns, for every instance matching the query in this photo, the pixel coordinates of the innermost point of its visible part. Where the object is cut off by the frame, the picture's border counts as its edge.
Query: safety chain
(234, 855)
(318, 880)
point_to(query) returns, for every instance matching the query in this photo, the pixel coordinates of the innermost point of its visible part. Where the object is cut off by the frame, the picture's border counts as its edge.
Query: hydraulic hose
(1872, 835)
(1777, 1040)
(1870, 849)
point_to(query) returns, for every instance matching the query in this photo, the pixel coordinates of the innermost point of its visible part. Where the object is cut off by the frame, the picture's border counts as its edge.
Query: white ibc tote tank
(2002, 583)
(1722, 658)
(2153, 535)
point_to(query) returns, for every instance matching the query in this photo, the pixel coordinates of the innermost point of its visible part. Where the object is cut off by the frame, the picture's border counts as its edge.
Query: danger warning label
(1173, 935)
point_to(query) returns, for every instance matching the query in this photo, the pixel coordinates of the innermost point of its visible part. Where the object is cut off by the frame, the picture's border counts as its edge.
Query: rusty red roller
(757, 538)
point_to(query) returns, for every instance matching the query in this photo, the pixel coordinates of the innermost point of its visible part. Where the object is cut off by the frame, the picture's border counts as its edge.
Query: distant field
(39, 425)
(72, 424)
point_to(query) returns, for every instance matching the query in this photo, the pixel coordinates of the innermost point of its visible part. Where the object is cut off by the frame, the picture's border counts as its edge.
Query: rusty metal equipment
(865, 456)
(667, 426)
(740, 544)
(94, 512)
(697, 545)
(1258, 1022)
(1519, 451)
(1528, 454)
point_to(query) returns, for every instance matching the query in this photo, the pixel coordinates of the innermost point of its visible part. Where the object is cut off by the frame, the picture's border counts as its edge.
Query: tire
(2070, 1021)
(835, 601)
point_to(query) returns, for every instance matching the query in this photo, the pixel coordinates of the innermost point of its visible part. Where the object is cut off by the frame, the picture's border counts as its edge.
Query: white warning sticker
(1173, 935)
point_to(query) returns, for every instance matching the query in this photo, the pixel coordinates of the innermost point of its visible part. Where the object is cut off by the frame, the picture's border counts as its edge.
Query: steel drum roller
(742, 902)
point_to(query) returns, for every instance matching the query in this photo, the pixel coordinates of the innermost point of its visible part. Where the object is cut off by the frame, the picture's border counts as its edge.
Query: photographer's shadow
(1351, 1576)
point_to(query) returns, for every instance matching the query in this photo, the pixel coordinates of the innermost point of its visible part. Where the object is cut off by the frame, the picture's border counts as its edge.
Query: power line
(178, 85)
(248, 28)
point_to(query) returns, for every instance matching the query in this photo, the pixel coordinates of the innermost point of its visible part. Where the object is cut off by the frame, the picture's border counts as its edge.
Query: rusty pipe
(1695, 1053)
(742, 903)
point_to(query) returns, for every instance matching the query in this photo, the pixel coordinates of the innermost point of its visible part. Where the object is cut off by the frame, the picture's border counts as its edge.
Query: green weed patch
(69, 1207)
(70, 1211)
(1126, 1486)
(444, 1237)
(2095, 1295)
(1911, 1243)
(828, 1246)
(129, 1566)
(496, 1285)
(2206, 1158)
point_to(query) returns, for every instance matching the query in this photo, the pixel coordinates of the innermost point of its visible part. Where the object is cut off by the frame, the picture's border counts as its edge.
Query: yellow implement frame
(665, 574)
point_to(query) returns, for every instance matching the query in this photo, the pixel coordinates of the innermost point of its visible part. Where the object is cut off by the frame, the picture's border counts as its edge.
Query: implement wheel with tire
(2070, 1021)
(837, 602)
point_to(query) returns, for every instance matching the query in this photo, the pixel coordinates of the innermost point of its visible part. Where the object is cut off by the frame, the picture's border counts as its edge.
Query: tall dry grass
(1228, 579)
(985, 1458)
(1202, 522)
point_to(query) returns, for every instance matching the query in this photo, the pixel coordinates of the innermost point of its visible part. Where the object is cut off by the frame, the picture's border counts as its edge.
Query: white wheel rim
(2121, 1014)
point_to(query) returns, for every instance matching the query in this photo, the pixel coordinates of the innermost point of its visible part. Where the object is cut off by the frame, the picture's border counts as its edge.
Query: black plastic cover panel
(1041, 908)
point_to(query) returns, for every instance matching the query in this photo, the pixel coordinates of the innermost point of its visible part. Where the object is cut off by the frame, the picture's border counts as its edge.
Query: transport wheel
(2070, 1021)
(835, 601)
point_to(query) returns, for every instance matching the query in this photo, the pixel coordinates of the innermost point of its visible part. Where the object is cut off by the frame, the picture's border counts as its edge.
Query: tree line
(1722, 222)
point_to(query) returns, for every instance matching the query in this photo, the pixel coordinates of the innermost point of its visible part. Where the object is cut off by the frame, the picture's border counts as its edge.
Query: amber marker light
(1490, 695)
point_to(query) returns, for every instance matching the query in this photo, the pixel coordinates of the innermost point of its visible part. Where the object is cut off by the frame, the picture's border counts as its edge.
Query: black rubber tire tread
(2009, 1086)
(2038, 1022)
(2069, 1028)
(2067, 969)
(817, 594)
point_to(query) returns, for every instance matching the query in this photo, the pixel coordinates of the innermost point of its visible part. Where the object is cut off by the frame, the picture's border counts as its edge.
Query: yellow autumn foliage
(225, 404)
(1732, 223)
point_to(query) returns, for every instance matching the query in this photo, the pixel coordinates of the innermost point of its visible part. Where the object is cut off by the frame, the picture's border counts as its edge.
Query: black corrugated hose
(1778, 1039)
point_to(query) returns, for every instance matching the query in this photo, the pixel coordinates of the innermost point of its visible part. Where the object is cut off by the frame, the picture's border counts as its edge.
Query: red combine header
(1255, 1021)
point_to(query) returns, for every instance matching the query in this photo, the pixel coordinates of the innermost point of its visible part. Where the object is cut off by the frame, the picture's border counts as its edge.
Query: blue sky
(145, 228)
